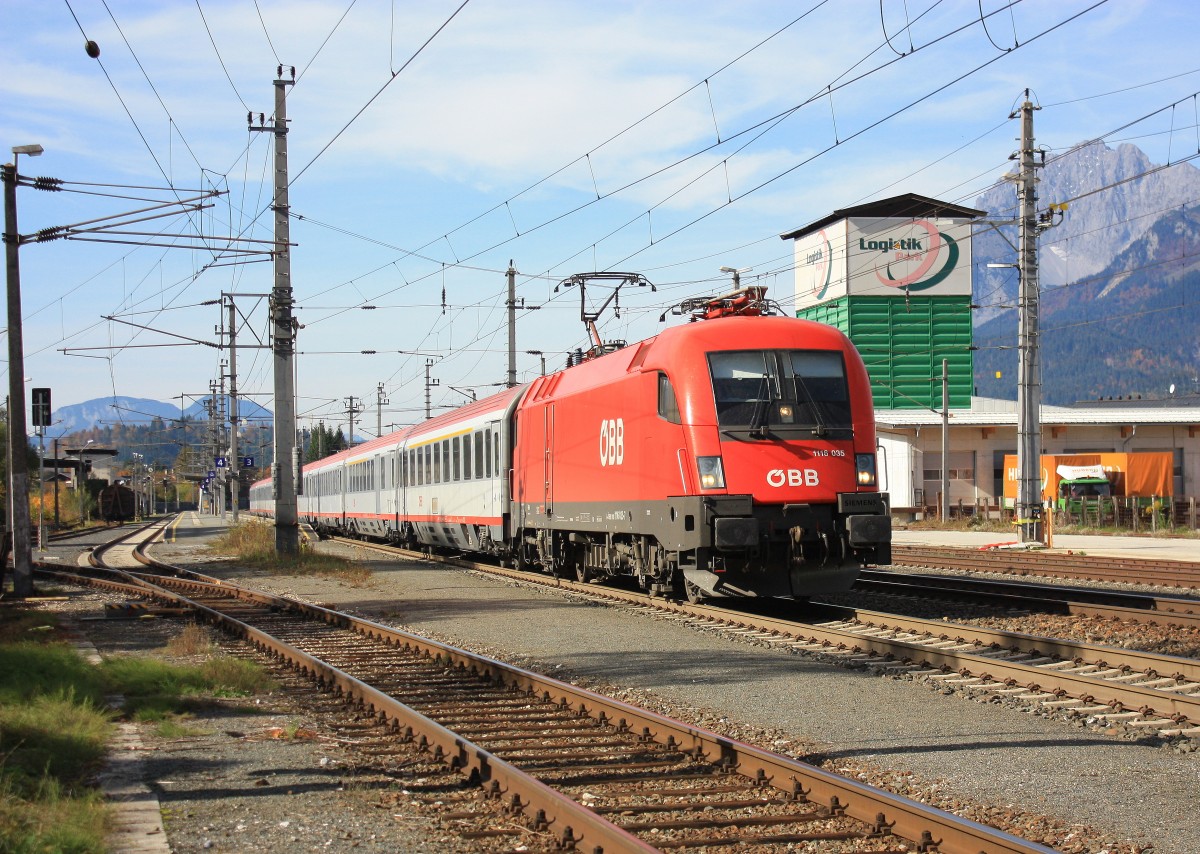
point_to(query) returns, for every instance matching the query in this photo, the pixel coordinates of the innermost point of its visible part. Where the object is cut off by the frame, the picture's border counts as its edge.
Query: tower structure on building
(895, 276)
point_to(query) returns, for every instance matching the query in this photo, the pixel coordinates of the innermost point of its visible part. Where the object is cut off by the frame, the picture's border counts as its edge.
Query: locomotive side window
(668, 404)
(781, 391)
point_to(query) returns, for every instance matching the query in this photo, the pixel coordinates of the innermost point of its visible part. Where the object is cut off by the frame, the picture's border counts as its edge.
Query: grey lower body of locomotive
(714, 546)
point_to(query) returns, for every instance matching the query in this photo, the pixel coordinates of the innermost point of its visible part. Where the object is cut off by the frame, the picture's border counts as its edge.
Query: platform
(1147, 548)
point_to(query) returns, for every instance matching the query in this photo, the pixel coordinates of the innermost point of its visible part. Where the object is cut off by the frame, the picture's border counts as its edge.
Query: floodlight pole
(18, 464)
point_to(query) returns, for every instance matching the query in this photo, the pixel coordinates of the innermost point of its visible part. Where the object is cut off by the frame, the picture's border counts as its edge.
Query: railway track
(1144, 691)
(1076, 601)
(591, 773)
(1164, 573)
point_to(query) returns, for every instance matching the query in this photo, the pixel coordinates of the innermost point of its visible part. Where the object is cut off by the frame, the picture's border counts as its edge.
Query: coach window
(456, 457)
(497, 443)
(478, 455)
(466, 456)
(446, 460)
(668, 405)
(487, 447)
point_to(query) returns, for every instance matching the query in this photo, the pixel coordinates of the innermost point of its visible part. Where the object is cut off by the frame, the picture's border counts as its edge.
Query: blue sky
(666, 138)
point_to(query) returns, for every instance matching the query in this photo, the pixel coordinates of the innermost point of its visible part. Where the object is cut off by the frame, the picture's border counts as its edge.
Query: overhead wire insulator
(52, 185)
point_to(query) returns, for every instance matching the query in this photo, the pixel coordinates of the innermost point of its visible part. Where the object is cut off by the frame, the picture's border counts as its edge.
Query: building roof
(993, 412)
(909, 205)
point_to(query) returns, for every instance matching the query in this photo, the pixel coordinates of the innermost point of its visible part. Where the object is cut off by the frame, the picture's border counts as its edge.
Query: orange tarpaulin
(1138, 474)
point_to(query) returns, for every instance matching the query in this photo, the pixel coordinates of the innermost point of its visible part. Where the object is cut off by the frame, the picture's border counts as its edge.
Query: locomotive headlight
(712, 475)
(786, 414)
(864, 466)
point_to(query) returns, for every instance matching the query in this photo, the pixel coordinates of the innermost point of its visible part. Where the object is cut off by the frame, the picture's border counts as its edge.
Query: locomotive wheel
(583, 573)
(693, 592)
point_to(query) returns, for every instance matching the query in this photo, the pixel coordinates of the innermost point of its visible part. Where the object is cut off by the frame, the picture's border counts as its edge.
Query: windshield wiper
(758, 419)
(821, 430)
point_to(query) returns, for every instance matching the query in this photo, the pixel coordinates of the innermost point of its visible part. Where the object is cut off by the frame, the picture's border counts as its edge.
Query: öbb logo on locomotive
(612, 442)
(793, 477)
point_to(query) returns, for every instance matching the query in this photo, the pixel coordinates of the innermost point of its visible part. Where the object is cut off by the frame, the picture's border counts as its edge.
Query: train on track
(731, 456)
(117, 503)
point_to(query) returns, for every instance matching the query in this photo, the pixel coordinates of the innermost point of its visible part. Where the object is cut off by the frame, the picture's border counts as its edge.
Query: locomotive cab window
(668, 404)
(781, 392)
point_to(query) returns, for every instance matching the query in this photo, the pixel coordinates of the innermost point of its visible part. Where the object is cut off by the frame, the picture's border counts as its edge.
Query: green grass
(54, 727)
(53, 732)
(253, 544)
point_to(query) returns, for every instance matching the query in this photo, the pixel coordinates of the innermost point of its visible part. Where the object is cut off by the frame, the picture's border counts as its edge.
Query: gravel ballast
(997, 764)
(937, 746)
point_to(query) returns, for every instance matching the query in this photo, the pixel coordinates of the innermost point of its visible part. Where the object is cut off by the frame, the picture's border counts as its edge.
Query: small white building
(910, 445)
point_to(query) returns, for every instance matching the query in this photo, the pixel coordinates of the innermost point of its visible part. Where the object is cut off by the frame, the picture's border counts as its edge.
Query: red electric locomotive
(730, 457)
(734, 456)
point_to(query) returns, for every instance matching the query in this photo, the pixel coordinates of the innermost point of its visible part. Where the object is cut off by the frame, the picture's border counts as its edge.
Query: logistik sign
(895, 268)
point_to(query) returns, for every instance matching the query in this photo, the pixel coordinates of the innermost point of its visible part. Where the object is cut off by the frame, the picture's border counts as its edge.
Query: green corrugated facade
(903, 343)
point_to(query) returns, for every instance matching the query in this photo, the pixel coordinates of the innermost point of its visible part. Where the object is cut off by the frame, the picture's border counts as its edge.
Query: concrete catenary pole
(945, 439)
(380, 400)
(429, 384)
(283, 340)
(1029, 373)
(18, 464)
(353, 408)
(512, 326)
(235, 485)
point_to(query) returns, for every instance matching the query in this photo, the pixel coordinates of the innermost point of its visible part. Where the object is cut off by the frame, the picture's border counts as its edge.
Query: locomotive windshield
(781, 392)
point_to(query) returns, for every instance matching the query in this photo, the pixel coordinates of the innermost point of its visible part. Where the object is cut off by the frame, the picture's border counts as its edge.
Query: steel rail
(959, 651)
(1129, 661)
(884, 811)
(1076, 601)
(1168, 573)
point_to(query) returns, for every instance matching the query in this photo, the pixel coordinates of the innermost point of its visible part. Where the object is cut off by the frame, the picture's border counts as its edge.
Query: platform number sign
(220, 461)
(211, 474)
(247, 462)
(41, 407)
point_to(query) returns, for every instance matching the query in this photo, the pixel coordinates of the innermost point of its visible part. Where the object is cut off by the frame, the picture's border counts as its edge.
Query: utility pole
(353, 409)
(380, 400)
(220, 446)
(210, 406)
(512, 328)
(234, 481)
(429, 384)
(945, 439)
(18, 465)
(1029, 374)
(287, 528)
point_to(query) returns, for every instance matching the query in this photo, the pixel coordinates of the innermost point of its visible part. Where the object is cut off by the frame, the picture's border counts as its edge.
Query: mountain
(1131, 329)
(112, 410)
(138, 410)
(1119, 280)
(1096, 227)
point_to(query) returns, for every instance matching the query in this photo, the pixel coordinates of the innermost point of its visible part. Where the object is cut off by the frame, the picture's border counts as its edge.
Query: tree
(322, 442)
